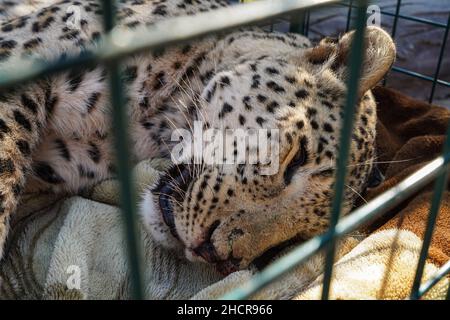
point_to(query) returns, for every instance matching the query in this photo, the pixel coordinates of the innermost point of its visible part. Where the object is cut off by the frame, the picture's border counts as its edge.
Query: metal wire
(346, 131)
(298, 23)
(349, 15)
(121, 140)
(396, 16)
(121, 43)
(410, 18)
(441, 56)
(420, 76)
(427, 286)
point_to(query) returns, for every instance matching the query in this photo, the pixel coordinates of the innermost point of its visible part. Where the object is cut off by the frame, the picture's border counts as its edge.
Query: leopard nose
(206, 249)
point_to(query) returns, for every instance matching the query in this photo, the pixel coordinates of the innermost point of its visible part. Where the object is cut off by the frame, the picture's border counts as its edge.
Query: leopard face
(229, 215)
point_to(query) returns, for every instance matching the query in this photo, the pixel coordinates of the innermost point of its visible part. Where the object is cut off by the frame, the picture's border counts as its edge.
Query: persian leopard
(55, 132)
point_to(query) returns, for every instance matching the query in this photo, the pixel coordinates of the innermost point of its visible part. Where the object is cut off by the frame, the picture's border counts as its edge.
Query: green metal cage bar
(441, 56)
(349, 15)
(420, 76)
(121, 140)
(345, 138)
(396, 16)
(298, 23)
(442, 272)
(117, 45)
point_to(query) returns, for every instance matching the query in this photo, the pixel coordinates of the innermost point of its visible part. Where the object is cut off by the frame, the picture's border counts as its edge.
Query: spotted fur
(55, 132)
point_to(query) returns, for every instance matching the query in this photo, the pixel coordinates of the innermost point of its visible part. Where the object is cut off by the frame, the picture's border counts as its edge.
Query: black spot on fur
(17, 189)
(7, 166)
(260, 121)
(242, 120)
(272, 71)
(364, 120)
(62, 148)
(159, 80)
(7, 27)
(319, 212)
(45, 172)
(261, 98)
(246, 102)
(327, 104)
(224, 81)
(22, 120)
(85, 172)
(327, 127)
(177, 65)
(272, 106)
(29, 103)
(50, 102)
(92, 101)
(186, 49)
(256, 81)
(4, 127)
(211, 93)
(311, 112)
(289, 79)
(94, 152)
(301, 94)
(8, 44)
(130, 74)
(33, 43)
(289, 138)
(24, 147)
(204, 78)
(275, 87)
(75, 80)
(226, 108)
(147, 124)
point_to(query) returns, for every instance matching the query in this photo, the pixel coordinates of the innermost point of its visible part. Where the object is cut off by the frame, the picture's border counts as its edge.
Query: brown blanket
(410, 133)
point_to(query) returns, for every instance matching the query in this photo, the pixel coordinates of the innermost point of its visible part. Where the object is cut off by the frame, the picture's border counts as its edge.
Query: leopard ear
(379, 56)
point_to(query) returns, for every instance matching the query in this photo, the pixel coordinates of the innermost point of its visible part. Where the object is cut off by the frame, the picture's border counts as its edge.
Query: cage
(313, 18)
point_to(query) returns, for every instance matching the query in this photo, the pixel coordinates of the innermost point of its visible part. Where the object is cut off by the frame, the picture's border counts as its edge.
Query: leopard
(56, 132)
